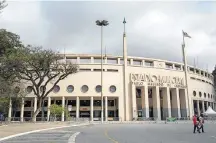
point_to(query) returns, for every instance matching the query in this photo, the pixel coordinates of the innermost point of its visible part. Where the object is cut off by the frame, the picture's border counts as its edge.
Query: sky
(153, 28)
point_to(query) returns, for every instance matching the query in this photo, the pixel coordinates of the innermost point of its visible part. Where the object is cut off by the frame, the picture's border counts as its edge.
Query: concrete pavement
(16, 128)
(122, 133)
(146, 133)
(62, 135)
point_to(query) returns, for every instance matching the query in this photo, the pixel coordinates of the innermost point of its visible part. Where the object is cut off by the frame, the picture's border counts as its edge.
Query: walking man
(202, 122)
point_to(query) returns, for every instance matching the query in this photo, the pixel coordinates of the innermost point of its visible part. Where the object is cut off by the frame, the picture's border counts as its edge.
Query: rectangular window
(178, 67)
(112, 70)
(128, 62)
(97, 60)
(84, 102)
(169, 66)
(85, 60)
(112, 61)
(191, 69)
(72, 59)
(98, 69)
(137, 62)
(110, 102)
(138, 93)
(122, 62)
(27, 104)
(84, 69)
(97, 102)
(149, 63)
(52, 102)
(110, 113)
(72, 102)
(45, 103)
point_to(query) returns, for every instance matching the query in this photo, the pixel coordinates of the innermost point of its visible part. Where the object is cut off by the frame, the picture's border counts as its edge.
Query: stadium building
(133, 87)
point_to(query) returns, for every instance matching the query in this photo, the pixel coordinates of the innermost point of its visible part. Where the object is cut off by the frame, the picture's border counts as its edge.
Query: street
(123, 133)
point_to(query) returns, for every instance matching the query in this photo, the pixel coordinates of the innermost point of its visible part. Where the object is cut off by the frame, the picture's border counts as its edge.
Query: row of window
(201, 80)
(89, 69)
(137, 62)
(111, 103)
(200, 94)
(70, 88)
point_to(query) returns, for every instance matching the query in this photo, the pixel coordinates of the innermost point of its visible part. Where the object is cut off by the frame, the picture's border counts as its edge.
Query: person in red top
(195, 123)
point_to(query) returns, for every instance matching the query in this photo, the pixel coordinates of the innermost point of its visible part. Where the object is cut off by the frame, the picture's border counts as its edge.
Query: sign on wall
(69, 107)
(157, 80)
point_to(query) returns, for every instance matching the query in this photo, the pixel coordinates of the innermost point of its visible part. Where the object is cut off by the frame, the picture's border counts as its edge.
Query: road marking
(106, 134)
(35, 131)
(72, 139)
(213, 137)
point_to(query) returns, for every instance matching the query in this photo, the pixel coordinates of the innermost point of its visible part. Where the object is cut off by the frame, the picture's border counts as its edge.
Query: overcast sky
(154, 29)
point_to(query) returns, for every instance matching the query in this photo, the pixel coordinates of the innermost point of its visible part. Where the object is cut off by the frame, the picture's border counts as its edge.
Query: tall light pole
(102, 23)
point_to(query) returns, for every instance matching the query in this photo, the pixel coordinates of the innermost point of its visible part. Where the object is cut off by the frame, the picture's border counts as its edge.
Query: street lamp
(102, 23)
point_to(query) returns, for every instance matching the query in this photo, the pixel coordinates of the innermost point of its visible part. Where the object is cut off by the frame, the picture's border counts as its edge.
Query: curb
(35, 131)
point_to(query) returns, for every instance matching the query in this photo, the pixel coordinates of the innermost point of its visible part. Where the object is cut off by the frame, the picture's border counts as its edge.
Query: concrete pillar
(166, 103)
(106, 109)
(48, 108)
(145, 101)
(92, 108)
(156, 103)
(22, 110)
(9, 110)
(66, 103)
(63, 106)
(203, 107)
(175, 102)
(134, 106)
(198, 108)
(213, 105)
(183, 103)
(146, 109)
(77, 107)
(119, 61)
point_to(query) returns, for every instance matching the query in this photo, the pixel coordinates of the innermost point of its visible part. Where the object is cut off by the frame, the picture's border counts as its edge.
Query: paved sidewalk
(16, 128)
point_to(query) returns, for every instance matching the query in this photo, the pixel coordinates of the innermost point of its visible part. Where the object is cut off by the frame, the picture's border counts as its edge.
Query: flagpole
(186, 75)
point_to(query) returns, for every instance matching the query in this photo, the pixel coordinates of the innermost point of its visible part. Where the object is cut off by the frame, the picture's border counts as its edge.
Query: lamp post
(102, 23)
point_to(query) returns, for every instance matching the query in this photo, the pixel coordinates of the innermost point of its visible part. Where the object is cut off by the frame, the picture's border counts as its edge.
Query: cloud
(24, 18)
(154, 29)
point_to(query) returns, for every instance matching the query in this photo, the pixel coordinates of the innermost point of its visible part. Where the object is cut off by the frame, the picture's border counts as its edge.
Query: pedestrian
(198, 123)
(195, 123)
(201, 122)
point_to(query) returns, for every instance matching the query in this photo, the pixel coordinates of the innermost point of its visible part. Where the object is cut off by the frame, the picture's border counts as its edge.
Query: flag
(185, 34)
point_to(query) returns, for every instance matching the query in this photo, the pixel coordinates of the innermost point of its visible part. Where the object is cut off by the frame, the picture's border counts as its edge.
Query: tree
(2, 5)
(56, 110)
(8, 41)
(42, 69)
(15, 93)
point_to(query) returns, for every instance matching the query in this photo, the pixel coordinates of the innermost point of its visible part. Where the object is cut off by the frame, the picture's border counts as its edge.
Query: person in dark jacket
(202, 122)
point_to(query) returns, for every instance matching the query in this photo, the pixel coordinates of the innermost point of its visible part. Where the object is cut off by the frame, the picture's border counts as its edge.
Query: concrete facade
(134, 87)
(152, 85)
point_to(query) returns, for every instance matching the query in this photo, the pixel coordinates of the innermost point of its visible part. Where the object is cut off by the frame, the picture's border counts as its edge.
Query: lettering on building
(157, 80)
